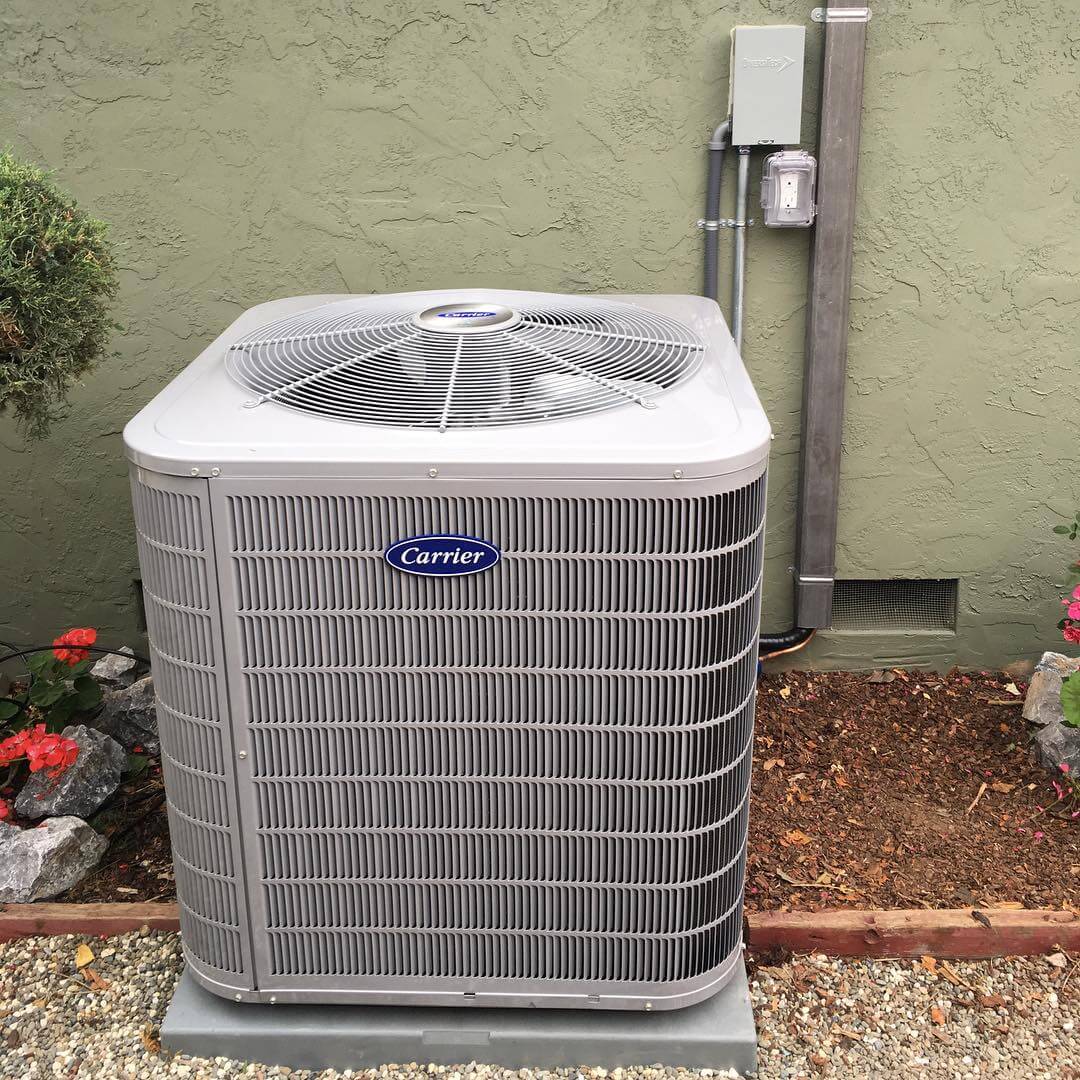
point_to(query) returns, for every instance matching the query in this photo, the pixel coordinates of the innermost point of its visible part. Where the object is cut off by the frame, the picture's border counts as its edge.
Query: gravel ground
(816, 1017)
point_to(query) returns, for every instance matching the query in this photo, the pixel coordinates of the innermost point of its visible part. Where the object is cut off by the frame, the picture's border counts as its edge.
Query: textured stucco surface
(245, 151)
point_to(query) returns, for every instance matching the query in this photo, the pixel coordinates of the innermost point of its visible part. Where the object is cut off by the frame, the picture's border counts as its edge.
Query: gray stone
(113, 670)
(1042, 705)
(39, 863)
(83, 786)
(128, 715)
(1057, 744)
(1059, 662)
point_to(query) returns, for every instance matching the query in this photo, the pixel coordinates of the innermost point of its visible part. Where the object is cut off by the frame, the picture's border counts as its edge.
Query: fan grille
(378, 361)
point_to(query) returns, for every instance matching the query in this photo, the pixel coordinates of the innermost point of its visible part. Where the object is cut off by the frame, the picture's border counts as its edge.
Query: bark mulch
(896, 790)
(904, 789)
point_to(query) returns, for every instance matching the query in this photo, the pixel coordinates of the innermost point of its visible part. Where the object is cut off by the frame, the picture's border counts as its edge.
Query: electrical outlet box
(788, 184)
(766, 85)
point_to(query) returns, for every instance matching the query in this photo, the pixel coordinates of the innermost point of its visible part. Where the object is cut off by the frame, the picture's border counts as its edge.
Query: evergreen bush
(57, 282)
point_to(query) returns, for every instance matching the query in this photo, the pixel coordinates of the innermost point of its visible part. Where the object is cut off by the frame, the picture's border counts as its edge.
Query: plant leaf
(1070, 699)
(84, 955)
(37, 662)
(58, 715)
(136, 765)
(1062, 530)
(46, 693)
(87, 692)
(9, 708)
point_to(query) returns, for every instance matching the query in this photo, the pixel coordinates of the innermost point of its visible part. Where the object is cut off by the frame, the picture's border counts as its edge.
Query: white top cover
(470, 383)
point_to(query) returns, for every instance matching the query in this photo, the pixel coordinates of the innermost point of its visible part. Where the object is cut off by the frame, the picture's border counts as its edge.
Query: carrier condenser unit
(453, 601)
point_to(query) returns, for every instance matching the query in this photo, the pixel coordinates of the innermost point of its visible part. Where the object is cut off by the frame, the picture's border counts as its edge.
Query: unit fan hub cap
(467, 318)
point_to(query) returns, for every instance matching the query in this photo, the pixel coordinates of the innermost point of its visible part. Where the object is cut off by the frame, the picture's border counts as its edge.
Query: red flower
(86, 635)
(5, 809)
(1072, 633)
(41, 750)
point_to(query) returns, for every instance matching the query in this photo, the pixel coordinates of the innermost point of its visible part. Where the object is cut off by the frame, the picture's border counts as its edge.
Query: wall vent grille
(896, 605)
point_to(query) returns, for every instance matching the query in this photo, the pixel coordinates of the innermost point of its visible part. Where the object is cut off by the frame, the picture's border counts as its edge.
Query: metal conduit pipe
(738, 270)
(719, 143)
(788, 641)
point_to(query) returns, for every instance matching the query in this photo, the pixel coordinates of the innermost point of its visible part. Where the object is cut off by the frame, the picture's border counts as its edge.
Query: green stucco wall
(245, 151)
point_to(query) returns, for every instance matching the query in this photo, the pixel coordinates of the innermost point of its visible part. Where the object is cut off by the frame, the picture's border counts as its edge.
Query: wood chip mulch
(904, 789)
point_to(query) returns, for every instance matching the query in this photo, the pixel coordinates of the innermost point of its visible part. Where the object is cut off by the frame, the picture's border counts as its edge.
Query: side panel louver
(176, 555)
(525, 786)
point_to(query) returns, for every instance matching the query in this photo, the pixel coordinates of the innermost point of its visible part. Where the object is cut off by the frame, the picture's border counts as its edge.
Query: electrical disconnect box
(766, 85)
(787, 189)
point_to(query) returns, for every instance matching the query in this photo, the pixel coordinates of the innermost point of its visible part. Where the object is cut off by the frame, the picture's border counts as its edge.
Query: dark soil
(138, 864)
(863, 793)
(862, 796)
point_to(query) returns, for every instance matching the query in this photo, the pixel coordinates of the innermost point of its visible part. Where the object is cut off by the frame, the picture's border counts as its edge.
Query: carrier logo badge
(442, 556)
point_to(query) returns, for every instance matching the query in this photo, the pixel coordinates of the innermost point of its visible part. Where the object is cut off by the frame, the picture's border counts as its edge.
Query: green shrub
(57, 281)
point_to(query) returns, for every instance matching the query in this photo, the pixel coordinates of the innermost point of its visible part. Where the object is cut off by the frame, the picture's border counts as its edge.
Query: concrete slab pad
(715, 1034)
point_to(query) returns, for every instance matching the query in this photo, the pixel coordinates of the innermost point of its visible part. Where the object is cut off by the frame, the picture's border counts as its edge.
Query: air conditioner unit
(453, 601)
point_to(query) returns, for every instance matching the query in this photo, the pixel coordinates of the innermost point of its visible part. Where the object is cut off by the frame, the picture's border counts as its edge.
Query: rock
(128, 715)
(39, 863)
(1042, 705)
(1058, 744)
(82, 787)
(113, 670)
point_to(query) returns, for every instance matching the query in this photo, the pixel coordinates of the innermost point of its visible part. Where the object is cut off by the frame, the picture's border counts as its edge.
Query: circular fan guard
(377, 361)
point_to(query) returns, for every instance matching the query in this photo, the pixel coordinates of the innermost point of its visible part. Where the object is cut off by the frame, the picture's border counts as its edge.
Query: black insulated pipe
(784, 642)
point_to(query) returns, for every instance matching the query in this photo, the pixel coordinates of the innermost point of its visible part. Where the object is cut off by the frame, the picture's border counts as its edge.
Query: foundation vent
(895, 605)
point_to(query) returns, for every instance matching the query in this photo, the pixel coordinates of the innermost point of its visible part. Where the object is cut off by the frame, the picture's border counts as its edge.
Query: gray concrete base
(716, 1034)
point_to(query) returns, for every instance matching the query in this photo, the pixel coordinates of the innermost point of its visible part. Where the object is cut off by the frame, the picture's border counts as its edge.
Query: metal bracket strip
(723, 223)
(841, 15)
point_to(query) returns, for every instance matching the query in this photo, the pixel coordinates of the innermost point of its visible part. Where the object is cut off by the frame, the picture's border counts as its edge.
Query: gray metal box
(766, 84)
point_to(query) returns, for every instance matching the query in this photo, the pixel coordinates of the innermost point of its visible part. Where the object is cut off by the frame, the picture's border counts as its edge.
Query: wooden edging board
(952, 934)
(958, 934)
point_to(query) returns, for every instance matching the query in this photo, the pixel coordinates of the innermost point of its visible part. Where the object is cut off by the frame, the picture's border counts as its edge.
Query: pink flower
(1076, 593)
(1064, 766)
(1073, 610)
(1039, 835)
(1071, 633)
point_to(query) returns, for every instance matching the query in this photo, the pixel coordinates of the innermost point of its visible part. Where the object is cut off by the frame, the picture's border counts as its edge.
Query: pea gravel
(816, 1018)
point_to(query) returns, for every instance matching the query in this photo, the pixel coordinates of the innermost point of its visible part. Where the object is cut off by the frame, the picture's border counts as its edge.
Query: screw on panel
(648, 1006)
(215, 472)
(433, 473)
(242, 754)
(194, 472)
(238, 997)
(678, 474)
